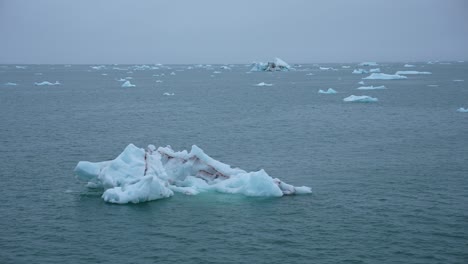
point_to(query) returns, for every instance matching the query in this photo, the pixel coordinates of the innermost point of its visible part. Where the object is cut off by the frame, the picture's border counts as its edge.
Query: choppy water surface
(390, 179)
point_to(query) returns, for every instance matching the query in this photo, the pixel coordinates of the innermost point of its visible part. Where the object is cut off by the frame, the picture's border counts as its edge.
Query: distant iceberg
(168, 94)
(325, 68)
(458, 80)
(368, 63)
(329, 91)
(345, 67)
(139, 175)
(462, 110)
(433, 85)
(10, 84)
(159, 81)
(100, 67)
(411, 72)
(383, 76)
(225, 67)
(277, 65)
(360, 99)
(128, 84)
(408, 66)
(216, 72)
(360, 71)
(374, 70)
(46, 83)
(122, 80)
(264, 84)
(21, 67)
(173, 73)
(371, 87)
(361, 82)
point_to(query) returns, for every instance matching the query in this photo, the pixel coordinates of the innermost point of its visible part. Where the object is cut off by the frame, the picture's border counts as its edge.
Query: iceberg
(361, 82)
(46, 83)
(122, 80)
(277, 65)
(374, 70)
(264, 84)
(10, 84)
(458, 80)
(383, 76)
(368, 63)
(159, 81)
(168, 94)
(408, 66)
(329, 91)
(325, 68)
(462, 110)
(371, 87)
(216, 72)
(360, 99)
(172, 73)
(128, 84)
(360, 71)
(100, 67)
(345, 67)
(139, 175)
(411, 72)
(433, 85)
(21, 67)
(225, 67)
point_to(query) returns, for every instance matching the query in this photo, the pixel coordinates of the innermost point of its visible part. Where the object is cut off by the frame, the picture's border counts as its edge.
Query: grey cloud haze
(210, 31)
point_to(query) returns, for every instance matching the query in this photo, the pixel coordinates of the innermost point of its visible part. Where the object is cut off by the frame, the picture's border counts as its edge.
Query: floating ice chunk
(138, 175)
(345, 67)
(374, 70)
(360, 71)
(216, 72)
(168, 94)
(408, 66)
(433, 85)
(360, 99)
(325, 68)
(458, 80)
(46, 83)
(264, 84)
(361, 82)
(159, 81)
(100, 67)
(128, 78)
(172, 73)
(383, 76)
(462, 110)
(277, 65)
(329, 91)
(371, 87)
(368, 63)
(10, 84)
(225, 67)
(104, 74)
(122, 80)
(310, 74)
(128, 84)
(411, 72)
(21, 67)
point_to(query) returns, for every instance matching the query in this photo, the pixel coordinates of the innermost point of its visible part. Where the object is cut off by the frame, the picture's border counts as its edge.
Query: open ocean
(389, 179)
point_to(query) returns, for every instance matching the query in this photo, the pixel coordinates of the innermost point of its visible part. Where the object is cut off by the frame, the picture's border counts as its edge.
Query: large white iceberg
(139, 175)
(329, 91)
(360, 99)
(128, 84)
(277, 65)
(46, 83)
(411, 72)
(384, 76)
(372, 87)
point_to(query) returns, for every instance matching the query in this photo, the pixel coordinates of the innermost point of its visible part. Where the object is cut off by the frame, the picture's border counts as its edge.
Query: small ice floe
(361, 82)
(189, 68)
(433, 85)
(128, 84)
(329, 91)
(458, 80)
(309, 74)
(168, 94)
(216, 72)
(360, 71)
(122, 80)
(159, 81)
(462, 110)
(264, 84)
(408, 66)
(104, 74)
(21, 67)
(46, 83)
(374, 70)
(345, 67)
(128, 78)
(224, 67)
(383, 76)
(411, 72)
(325, 68)
(172, 73)
(100, 67)
(10, 84)
(372, 87)
(368, 63)
(360, 99)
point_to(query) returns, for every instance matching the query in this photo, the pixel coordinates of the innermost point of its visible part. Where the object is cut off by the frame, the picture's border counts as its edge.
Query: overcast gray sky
(237, 31)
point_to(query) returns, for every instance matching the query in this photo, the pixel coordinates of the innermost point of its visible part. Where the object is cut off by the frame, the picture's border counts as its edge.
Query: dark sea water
(389, 179)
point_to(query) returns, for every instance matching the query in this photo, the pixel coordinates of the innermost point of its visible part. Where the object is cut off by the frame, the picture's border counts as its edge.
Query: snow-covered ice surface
(138, 175)
(372, 87)
(128, 84)
(384, 76)
(462, 110)
(411, 72)
(46, 83)
(329, 91)
(360, 99)
(264, 84)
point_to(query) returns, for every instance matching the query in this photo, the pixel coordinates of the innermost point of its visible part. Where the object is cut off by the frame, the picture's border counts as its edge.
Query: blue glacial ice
(329, 91)
(139, 175)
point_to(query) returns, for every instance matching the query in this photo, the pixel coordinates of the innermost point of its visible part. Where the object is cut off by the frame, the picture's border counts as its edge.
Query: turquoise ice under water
(389, 179)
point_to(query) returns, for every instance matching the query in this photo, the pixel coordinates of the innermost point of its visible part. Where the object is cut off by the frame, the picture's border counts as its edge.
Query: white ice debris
(368, 63)
(433, 85)
(383, 76)
(139, 175)
(264, 84)
(159, 81)
(168, 94)
(325, 68)
(224, 67)
(371, 87)
(10, 84)
(361, 82)
(360, 99)
(128, 84)
(411, 72)
(21, 67)
(360, 71)
(46, 83)
(345, 67)
(408, 66)
(216, 72)
(374, 70)
(309, 74)
(462, 110)
(329, 91)
(100, 67)
(172, 73)
(277, 65)
(122, 80)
